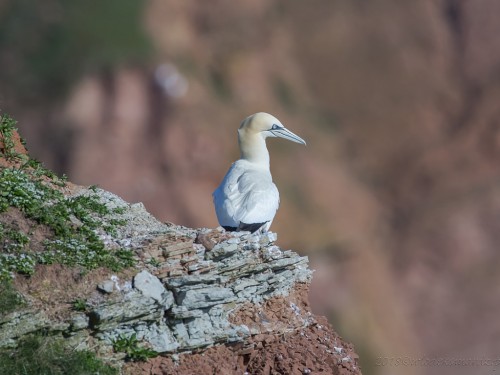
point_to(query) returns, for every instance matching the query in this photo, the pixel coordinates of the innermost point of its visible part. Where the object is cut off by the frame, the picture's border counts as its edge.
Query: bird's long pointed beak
(287, 134)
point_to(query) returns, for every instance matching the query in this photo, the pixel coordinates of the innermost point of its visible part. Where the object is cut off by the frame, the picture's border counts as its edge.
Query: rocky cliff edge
(148, 297)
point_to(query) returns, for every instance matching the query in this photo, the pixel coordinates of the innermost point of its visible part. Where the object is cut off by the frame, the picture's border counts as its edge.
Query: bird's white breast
(247, 195)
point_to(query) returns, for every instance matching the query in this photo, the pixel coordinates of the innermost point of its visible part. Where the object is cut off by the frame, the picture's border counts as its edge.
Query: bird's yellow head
(265, 125)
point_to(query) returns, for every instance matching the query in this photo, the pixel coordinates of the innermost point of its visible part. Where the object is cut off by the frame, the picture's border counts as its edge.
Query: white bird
(247, 199)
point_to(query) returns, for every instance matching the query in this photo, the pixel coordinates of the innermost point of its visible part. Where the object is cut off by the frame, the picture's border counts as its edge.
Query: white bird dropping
(247, 199)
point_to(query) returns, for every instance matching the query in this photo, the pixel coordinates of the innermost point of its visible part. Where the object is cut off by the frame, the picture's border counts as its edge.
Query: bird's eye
(275, 127)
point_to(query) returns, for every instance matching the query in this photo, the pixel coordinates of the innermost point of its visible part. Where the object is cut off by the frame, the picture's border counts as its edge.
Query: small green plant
(130, 346)
(9, 298)
(79, 304)
(12, 240)
(154, 262)
(37, 169)
(119, 210)
(39, 355)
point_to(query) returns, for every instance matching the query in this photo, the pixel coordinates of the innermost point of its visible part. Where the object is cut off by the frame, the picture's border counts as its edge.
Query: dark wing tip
(250, 227)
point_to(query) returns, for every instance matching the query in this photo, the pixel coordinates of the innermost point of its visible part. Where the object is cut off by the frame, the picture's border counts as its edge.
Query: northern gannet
(247, 199)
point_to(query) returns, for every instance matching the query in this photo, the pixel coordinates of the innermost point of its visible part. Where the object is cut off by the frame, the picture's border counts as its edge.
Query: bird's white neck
(253, 149)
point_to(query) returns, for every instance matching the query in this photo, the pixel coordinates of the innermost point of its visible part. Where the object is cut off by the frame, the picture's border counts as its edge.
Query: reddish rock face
(307, 350)
(15, 146)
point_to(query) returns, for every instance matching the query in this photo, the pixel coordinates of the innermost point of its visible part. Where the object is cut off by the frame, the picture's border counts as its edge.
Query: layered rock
(191, 290)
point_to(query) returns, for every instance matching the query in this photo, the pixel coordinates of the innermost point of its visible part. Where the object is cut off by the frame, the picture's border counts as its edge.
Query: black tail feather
(250, 227)
(245, 227)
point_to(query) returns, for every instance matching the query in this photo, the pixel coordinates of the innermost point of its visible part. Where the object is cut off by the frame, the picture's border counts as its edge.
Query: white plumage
(246, 195)
(247, 198)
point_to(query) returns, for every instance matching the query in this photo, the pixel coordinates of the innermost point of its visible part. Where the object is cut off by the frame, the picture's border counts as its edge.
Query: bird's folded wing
(246, 195)
(255, 200)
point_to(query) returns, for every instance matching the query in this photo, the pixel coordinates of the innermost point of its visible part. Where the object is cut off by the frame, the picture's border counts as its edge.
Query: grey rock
(18, 324)
(60, 326)
(283, 262)
(233, 268)
(168, 300)
(106, 287)
(78, 322)
(199, 343)
(268, 238)
(180, 332)
(174, 314)
(206, 297)
(200, 265)
(221, 251)
(177, 282)
(272, 252)
(161, 338)
(182, 312)
(133, 307)
(78, 340)
(242, 284)
(200, 328)
(254, 238)
(252, 246)
(151, 286)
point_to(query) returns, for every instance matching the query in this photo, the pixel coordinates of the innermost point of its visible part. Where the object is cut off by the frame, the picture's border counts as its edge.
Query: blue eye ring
(275, 127)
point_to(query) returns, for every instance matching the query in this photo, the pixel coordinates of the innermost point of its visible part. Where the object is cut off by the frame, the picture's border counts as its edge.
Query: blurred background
(396, 198)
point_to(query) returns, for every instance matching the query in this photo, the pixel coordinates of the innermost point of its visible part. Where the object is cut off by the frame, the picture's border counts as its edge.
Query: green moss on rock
(77, 223)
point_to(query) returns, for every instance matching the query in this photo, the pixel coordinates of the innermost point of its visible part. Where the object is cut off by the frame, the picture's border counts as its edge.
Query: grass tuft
(130, 346)
(38, 355)
(79, 305)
